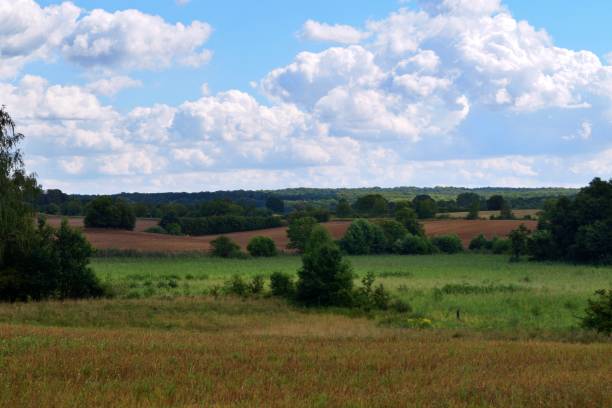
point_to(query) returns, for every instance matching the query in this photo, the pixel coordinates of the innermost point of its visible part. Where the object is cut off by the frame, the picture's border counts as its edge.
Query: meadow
(166, 341)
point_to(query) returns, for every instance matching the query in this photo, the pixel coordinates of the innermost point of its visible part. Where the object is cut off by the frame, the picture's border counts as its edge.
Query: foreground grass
(232, 352)
(489, 293)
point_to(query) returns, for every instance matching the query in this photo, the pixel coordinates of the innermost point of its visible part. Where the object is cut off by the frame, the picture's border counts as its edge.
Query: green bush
(155, 230)
(262, 247)
(224, 247)
(408, 218)
(415, 245)
(500, 246)
(480, 243)
(363, 238)
(394, 231)
(256, 286)
(449, 244)
(174, 229)
(599, 313)
(325, 279)
(105, 212)
(281, 285)
(299, 231)
(236, 286)
(224, 224)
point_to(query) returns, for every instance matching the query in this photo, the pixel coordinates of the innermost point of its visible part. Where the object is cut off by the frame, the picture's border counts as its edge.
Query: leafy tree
(72, 208)
(474, 212)
(299, 231)
(325, 279)
(219, 207)
(394, 231)
(415, 245)
(506, 212)
(467, 201)
(275, 204)
(343, 209)
(372, 205)
(599, 313)
(364, 238)
(495, 203)
(104, 212)
(480, 243)
(282, 285)
(425, 206)
(449, 244)
(518, 242)
(408, 218)
(262, 247)
(224, 247)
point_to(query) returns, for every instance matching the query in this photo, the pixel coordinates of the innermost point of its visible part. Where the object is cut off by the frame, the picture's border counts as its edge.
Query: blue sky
(161, 96)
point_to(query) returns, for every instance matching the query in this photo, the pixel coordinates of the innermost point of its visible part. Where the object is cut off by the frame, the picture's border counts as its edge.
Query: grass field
(164, 342)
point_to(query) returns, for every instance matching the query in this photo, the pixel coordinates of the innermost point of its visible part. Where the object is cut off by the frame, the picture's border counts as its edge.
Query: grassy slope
(541, 296)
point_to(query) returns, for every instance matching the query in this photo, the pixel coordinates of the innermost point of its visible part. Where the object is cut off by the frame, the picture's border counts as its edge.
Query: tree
(104, 212)
(408, 218)
(275, 204)
(262, 247)
(299, 231)
(224, 247)
(425, 206)
(372, 205)
(474, 213)
(599, 313)
(363, 238)
(394, 231)
(343, 209)
(325, 279)
(518, 242)
(495, 203)
(467, 201)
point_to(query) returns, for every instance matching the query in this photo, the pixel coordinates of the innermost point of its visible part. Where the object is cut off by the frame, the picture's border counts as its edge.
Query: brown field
(232, 352)
(141, 241)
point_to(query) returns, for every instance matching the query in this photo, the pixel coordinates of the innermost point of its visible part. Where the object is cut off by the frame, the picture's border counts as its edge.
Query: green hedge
(223, 224)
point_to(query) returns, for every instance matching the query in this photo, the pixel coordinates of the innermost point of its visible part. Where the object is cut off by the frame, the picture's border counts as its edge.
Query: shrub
(364, 238)
(518, 242)
(408, 218)
(104, 212)
(224, 224)
(224, 247)
(325, 279)
(394, 231)
(174, 229)
(401, 306)
(425, 206)
(381, 298)
(256, 286)
(540, 245)
(236, 286)
(500, 246)
(449, 244)
(299, 231)
(415, 245)
(480, 243)
(599, 313)
(156, 230)
(281, 285)
(262, 247)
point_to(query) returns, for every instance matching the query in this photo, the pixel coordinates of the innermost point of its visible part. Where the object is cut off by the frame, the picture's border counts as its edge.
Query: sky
(178, 95)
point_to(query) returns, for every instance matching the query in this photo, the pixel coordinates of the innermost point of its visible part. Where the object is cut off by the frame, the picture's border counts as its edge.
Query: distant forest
(518, 198)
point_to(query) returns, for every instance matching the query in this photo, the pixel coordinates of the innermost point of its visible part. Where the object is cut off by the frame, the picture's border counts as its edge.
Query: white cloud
(131, 39)
(112, 86)
(584, 133)
(343, 34)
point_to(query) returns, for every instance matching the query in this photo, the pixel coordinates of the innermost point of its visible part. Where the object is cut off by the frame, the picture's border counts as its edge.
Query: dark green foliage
(219, 207)
(105, 212)
(262, 247)
(224, 247)
(474, 212)
(367, 297)
(319, 214)
(415, 245)
(275, 204)
(236, 286)
(371, 205)
(343, 208)
(480, 243)
(409, 219)
(168, 219)
(425, 206)
(174, 229)
(468, 201)
(449, 244)
(325, 279)
(599, 313)
(467, 289)
(495, 203)
(401, 306)
(518, 242)
(224, 224)
(282, 285)
(500, 246)
(363, 238)
(256, 286)
(394, 232)
(299, 231)
(540, 245)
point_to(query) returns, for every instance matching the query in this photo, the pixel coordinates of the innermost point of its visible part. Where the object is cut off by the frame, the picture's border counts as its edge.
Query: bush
(104, 212)
(408, 218)
(480, 243)
(236, 286)
(518, 242)
(599, 313)
(224, 224)
(325, 279)
(449, 244)
(415, 245)
(155, 230)
(299, 231)
(224, 247)
(174, 229)
(394, 231)
(363, 238)
(262, 247)
(281, 285)
(256, 286)
(500, 246)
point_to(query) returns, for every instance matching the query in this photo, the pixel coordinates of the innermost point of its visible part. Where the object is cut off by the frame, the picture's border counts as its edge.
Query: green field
(489, 292)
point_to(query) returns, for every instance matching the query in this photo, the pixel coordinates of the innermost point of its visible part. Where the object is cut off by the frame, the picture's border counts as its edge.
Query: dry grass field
(231, 352)
(141, 241)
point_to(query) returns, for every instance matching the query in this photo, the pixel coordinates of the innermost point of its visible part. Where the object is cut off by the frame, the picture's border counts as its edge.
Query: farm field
(141, 241)
(165, 344)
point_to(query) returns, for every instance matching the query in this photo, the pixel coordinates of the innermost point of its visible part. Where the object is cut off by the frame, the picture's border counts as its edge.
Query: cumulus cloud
(339, 33)
(112, 86)
(584, 133)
